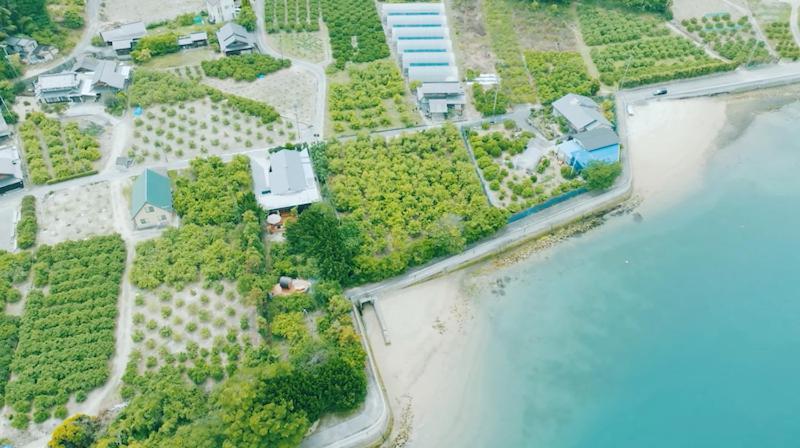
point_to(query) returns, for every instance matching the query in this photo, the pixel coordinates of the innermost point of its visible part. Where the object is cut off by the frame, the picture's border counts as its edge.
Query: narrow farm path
(745, 10)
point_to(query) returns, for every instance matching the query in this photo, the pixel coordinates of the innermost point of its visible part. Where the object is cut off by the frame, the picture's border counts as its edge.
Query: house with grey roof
(284, 180)
(28, 49)
(110, 76)
(439, 100)
(123, 38)
(193, 40)
(234, 39)
(5, 129)
(580, 112)
(151, 201)
(10, 169)
(59, 87)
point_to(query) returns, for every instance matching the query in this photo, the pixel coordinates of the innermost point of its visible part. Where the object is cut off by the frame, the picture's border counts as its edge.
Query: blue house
(598, 145)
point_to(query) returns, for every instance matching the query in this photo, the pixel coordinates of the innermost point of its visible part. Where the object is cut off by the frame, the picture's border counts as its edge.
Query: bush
(244, 67)
(601, 176)
(27, 227)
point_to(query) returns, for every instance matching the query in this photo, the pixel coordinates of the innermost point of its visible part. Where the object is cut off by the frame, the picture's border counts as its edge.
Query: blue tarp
(137, 111)
(578, 157)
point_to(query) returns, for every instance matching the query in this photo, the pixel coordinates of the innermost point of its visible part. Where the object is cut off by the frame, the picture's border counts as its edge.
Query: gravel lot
(147, 10)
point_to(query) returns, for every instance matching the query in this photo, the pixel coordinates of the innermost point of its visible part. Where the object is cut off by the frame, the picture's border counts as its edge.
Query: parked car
(630, 110)
(660, 92)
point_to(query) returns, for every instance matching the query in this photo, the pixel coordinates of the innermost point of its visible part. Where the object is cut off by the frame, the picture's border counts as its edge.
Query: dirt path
(793, 20)
(586, 53)
(745, 10)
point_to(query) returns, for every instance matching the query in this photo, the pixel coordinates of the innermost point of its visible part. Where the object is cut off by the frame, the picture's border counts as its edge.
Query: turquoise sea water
(682, 330)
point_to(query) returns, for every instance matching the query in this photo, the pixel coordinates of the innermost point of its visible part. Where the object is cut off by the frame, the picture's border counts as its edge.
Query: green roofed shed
(151, 194)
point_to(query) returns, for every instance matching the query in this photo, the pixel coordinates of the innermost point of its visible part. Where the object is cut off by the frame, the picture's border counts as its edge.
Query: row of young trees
(292, 15)
(413, 198)
(27, 228)
(557, 73)
(246, 67)
(66, 335)
(13, 269)
(601, 26)
(153, 87)
(56, 151)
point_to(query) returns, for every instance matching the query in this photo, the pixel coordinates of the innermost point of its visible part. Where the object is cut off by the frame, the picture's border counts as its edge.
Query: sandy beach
(670, 142)
(436, 335)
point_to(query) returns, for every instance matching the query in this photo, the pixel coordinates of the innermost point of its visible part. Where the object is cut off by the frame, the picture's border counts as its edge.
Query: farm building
(193, 40)
(221, 11)
(78, 86)
(421, 38)
(29, 50)
(151, 201)
(582, 113)
(598, 145)
(234, 39)
(284, 180)
(124, 37)
(441, 99)
(10, 169)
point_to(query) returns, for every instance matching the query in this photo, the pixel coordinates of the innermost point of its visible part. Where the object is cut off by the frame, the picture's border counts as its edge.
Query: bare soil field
(75, 213)
(687, 9)
(168, 323)
(200, 128)
(290, 90)
(540, 28)
(768, 11)
(470, 39)
(147, 11)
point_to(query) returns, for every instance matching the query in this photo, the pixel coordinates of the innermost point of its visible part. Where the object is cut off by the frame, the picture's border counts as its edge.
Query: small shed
(151, 201)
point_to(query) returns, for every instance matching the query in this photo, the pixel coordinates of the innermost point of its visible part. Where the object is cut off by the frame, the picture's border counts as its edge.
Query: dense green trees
(247, 17)
(318, 235)
(601, 176)
(27, 227)
(489, 101)
(246, 67)
(361, 102)
(215, 192)
(63, 146)
(781, 34)
(154, 45)
(78, 431)
(292, 15)
(355, 31)
(408, 196)
(557, 73)
(9, 328)
(66, 335)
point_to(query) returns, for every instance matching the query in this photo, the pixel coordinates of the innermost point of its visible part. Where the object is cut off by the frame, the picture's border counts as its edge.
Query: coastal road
(317, 70)
(793, 20)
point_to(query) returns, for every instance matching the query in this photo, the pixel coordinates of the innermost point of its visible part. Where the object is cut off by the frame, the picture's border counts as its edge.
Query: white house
(284, 180)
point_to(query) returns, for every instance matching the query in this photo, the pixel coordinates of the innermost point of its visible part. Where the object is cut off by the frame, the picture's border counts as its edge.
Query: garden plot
(301, 45)
(774, 16)
(149, 11)
(470, 40)
(732, 39)
(199, 128)
(518, 171)
(203, 328)
(75, 213)
(687, 9)
(289, 91)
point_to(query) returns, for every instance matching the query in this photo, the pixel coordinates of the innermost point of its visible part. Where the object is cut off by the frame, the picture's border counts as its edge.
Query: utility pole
(625, 73)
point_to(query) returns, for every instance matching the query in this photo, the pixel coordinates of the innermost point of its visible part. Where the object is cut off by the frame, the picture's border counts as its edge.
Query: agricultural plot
(780, 34)
(774, 17)
(355, 31)
(75, 213)
(559, 73)
(470, 41)
(413, 197)
(371, 96)
(635, 49)
(732, 40)
(292, 15)
(66, 334)
(183, 118)
(516, 82)
(55, 150)
(309, 46)
(124, 11)
(203, 329)
(246, 67)
(519, 176)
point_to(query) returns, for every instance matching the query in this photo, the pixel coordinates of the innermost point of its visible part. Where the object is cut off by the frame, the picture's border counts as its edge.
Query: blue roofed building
(598, 145)
(151, 201)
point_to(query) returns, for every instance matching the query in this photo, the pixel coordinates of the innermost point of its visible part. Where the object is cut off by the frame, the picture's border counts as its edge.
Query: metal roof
(286, 172)
(128, 31)
(151, 188)
(109, 73)
(580, 111)
(601, 137)
(233, 36)
(58, 81)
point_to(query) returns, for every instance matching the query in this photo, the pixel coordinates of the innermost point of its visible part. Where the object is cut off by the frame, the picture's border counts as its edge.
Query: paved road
(793, 20)
(92, 28)
(317, 70)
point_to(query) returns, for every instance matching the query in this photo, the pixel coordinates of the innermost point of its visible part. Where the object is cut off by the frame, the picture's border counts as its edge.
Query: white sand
(433, 332)
(670, 142)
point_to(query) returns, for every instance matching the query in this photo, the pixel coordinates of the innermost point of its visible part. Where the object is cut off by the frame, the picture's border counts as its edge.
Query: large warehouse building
(419, 34)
